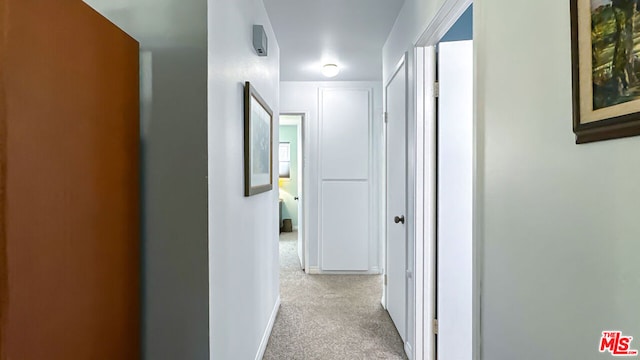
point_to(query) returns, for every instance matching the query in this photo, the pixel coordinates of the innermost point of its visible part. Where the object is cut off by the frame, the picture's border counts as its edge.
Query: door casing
(302, 185)
(302, 238)
(425, 113)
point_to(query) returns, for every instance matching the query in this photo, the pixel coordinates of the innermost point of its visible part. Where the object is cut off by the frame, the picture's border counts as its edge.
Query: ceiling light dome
(330, 70)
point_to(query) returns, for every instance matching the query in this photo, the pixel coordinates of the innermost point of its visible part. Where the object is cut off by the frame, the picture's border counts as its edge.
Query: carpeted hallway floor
(329, 317)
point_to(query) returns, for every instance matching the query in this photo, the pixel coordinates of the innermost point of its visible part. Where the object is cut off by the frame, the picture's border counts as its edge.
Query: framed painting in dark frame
(258, 143)
(605, 39)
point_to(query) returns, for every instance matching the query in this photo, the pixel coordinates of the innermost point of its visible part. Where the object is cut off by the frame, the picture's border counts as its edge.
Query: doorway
(291, 180)
(449, 287)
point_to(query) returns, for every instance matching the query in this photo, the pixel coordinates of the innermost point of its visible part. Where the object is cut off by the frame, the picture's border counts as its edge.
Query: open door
(455, 201)
(396, 199)
(69, 202)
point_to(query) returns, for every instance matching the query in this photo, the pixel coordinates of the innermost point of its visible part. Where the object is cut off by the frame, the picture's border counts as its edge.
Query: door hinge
(385, 279)
(385, 116)
(436, 89)
(435, 326)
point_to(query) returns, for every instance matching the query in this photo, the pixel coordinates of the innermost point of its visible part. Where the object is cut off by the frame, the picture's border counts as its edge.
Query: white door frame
(425, 210)
(425, 187)
(303, 179)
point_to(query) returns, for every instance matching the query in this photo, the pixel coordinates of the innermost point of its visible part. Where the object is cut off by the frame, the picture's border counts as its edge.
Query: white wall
(413, 19)
(174, 281)
(297, 97)
(560, 221)
(243, 231)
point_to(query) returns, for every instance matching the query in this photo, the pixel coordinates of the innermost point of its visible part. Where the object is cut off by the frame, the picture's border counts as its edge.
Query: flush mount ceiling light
(330, 70)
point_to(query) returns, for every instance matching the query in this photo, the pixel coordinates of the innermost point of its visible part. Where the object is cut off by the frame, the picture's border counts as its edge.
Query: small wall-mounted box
(260, 40)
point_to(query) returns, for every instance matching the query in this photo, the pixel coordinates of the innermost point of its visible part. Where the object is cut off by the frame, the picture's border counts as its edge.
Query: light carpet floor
(327, 317)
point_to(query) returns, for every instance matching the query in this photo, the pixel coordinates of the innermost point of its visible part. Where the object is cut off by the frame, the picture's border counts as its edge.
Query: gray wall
(175, 282)
(559, 221)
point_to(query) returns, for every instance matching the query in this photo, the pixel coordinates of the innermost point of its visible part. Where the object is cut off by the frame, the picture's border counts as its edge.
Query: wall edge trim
(4, 274)
(442, 21)
(267, 331)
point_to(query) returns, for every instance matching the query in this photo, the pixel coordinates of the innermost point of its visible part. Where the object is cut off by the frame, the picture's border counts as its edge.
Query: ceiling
(158, 23)
(349, 33)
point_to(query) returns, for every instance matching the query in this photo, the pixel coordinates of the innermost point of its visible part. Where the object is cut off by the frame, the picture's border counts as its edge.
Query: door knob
(398, 219)
(295, 198)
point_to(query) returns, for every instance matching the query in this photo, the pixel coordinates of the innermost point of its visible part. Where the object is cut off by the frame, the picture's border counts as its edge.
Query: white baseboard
(345, 272)
(342, 272)
(383, 300)
(267, 331)
(315, 270)
(408, 350)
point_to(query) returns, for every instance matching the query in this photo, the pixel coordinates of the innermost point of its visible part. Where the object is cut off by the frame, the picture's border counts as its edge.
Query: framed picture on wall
(258, 143)
(606, 69)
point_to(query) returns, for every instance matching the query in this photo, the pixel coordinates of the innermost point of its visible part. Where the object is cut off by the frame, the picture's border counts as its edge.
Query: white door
(396, 223)
(345, 218)
(455, 183)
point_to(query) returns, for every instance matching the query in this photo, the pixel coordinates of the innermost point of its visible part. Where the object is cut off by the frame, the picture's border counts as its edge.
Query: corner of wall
(267, 332)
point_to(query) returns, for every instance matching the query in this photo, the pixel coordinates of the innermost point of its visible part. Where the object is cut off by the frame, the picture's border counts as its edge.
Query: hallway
(325, 317)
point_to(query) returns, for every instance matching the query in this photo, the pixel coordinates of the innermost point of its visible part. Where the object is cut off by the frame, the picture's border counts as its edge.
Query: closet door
(345, 119)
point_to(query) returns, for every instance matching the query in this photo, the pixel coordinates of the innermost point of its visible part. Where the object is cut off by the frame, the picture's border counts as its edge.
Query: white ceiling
(349, 33)
(158, 23)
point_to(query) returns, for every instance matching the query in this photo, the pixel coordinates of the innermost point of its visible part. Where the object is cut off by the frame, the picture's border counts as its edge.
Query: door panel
(345, 244)
(455, 182)
(345, 134)
(69, 148)
(396, 200)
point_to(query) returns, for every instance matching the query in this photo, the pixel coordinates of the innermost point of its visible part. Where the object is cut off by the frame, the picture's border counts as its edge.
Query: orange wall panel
(69, 133)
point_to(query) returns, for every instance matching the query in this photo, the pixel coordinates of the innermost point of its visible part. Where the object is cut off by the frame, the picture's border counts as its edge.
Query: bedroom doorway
(290, 181)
